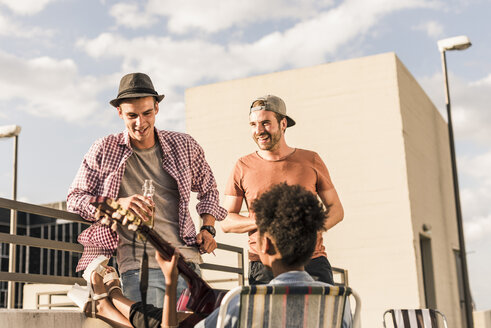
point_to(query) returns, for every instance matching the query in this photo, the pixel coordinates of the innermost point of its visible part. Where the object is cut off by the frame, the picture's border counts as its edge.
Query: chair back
(290, 306)
(415, 318)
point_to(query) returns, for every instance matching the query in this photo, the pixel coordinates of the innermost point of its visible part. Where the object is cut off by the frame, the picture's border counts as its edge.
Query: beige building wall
(386, 148)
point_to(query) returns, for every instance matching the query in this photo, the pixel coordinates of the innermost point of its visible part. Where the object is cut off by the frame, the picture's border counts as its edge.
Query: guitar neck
(201, 297)
(164, 248)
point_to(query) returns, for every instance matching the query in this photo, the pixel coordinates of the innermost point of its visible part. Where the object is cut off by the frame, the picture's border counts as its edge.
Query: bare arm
(234, 222)
(169, 269)
(330, 199)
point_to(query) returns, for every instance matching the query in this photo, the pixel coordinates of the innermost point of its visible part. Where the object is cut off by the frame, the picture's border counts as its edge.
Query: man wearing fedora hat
(117, 165)
(276, 162)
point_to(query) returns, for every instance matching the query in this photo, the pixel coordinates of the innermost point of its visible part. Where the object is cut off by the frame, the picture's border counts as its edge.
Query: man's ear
(267, 245)
(283, 124)
(156, 108)
(120, 113)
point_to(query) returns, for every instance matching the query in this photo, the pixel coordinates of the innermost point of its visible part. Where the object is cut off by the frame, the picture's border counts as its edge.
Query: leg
(105, 310)
(130, 281)
(320, 269)
(259, 274)
(156, 285)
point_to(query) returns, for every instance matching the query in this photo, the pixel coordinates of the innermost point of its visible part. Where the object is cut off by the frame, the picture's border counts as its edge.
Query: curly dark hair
(292, 216)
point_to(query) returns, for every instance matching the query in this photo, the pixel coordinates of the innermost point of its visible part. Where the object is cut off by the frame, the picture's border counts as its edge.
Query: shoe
(96, 265)
(93, 305)
(111, 278)
(110, 275)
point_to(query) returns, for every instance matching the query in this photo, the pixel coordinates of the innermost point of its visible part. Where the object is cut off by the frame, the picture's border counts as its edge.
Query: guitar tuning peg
(105, 220)
(116, 215)
(125, 220)
(130, 216)
(132, 227)
(114, 226)
(112, 203)
(122, 211)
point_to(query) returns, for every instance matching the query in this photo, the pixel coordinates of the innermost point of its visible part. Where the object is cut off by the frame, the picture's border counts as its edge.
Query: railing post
(13, 231)
(240, 258)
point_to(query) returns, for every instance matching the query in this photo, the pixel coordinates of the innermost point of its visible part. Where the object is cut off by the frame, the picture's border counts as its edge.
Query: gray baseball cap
(273, 104)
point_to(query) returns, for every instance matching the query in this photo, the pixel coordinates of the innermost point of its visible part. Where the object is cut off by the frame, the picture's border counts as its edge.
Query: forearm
(236, 223)
(79, 202)
(169, 313)
(208, 219)
(336, 215)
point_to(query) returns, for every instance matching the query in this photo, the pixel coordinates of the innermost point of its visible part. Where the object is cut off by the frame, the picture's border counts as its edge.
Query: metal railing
(46, 245)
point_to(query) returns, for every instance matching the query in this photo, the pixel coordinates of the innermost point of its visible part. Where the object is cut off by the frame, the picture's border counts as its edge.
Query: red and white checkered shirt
(101, 173)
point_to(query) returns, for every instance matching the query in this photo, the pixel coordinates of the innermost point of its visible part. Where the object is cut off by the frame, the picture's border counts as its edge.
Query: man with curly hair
(273, 163)
(282, 214)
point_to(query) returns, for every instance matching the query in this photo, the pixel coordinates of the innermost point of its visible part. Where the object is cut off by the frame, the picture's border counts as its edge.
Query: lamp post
(457, 43)
(12, 131)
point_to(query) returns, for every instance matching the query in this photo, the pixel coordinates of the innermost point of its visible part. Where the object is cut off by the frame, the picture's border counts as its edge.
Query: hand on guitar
(141, 206)
(169, 268)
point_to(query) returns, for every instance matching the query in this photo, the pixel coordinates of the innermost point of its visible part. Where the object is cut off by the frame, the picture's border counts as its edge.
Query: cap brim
(289, 122)
(115, 102)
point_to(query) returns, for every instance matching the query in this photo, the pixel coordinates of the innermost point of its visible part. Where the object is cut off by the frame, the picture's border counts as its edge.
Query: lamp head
(8, 131)
(456, 43)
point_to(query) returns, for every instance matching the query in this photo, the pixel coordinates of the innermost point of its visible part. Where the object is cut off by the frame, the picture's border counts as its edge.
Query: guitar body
(199, 297)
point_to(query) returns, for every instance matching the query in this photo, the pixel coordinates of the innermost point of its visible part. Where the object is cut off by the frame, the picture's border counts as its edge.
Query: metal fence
(47, 250)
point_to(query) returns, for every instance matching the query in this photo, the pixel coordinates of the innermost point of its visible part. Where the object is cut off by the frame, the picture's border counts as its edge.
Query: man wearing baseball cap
(276, 162)
(117, 165)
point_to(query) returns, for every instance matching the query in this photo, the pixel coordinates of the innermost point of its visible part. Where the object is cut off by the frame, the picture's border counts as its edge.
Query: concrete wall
(48, 319)
(430, 190)
(353, 113)
(482, 319)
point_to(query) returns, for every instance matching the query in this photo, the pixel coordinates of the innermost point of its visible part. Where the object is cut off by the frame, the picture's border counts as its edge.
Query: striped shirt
(101, 172)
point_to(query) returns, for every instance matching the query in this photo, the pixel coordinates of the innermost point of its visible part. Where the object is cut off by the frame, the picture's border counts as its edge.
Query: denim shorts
(130, 281)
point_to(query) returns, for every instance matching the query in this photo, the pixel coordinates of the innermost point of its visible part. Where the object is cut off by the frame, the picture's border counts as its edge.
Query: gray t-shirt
(141, 165)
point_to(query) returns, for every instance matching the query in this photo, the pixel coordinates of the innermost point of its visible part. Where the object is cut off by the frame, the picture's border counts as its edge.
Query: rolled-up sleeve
(86, 183)
(204, 184)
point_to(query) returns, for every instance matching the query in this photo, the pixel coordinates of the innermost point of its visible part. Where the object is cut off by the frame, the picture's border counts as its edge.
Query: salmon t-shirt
(254, 175)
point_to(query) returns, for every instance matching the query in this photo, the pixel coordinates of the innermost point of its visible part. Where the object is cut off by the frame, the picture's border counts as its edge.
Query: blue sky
(61, 61)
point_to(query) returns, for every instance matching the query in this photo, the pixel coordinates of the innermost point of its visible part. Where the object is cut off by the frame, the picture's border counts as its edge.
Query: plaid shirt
(101, 173)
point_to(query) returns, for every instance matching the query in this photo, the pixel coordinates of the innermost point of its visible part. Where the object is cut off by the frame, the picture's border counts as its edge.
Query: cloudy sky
(61, 61)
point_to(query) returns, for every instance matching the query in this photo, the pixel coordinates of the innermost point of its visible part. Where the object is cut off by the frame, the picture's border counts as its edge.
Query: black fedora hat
(135, 85)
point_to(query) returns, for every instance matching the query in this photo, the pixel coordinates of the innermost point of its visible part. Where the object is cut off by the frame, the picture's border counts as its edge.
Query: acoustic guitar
(199, 297)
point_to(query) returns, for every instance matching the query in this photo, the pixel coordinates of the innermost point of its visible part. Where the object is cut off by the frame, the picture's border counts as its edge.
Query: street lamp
(12, 131)
(457, 43)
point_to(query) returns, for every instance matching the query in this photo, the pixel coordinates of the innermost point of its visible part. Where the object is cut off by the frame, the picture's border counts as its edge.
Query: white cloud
(474, 170)
(49, 87)
(130, 15)
(470, 103)
(26, 7)
(478, 229)
(432, 28)
(171, 114)
(183, 63)
(213, 15)
(216, 15)
(11, 28)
